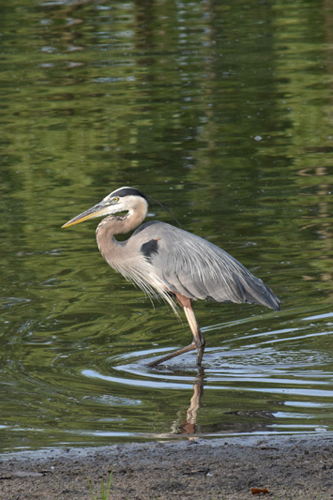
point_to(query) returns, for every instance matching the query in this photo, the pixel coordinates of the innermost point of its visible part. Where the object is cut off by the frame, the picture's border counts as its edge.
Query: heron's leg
(198, 339)
(188, 348)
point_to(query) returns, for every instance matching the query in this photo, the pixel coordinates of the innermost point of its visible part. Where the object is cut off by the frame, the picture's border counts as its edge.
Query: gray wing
(194, 267)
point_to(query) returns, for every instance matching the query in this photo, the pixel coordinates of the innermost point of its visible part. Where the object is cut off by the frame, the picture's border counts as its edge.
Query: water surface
(222, 111)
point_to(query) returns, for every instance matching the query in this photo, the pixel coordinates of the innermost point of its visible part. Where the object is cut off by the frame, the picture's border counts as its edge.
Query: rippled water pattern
(222, 111)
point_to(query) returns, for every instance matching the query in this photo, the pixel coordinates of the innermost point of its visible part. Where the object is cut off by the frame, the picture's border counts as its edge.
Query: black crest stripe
(128, 192)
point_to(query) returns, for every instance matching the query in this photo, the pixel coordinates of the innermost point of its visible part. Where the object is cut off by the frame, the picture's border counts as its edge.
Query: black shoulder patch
(149, 248)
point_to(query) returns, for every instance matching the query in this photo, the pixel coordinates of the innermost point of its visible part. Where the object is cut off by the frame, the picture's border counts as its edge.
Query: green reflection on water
(223, 113)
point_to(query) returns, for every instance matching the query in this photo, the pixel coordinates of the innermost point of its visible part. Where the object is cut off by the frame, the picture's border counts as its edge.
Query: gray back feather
(194, 267)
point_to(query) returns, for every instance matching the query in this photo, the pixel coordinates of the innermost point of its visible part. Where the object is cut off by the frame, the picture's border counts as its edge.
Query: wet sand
(289, 467)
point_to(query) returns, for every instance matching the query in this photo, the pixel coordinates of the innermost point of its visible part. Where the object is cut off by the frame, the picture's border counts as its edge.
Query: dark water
(222, 111)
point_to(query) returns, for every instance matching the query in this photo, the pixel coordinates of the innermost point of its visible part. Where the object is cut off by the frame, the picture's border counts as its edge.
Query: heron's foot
(190, 347)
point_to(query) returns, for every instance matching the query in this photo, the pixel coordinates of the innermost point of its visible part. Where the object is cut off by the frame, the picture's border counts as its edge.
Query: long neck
(112, 250)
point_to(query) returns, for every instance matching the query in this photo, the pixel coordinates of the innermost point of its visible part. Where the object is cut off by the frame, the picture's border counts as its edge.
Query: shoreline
(292, 466)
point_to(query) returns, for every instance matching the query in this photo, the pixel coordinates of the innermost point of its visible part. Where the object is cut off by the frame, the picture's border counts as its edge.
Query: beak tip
(91, 213)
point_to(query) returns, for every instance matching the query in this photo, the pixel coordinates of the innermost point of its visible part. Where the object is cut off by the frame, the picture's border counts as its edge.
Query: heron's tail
(260, 293)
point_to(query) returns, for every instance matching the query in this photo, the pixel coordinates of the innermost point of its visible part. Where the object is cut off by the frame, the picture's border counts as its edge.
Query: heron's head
(124, 199)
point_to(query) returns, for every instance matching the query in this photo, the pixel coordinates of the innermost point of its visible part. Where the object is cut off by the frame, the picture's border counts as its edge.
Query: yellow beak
(96, 211)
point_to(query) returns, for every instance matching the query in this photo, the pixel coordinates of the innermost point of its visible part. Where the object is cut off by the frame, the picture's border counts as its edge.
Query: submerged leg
(188, 348)
(198, 339)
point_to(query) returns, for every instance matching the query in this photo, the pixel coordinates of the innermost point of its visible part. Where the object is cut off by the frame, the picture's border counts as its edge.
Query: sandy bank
(290, 467)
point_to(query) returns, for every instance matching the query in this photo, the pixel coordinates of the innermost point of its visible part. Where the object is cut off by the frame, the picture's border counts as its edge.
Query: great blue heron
(166, 261)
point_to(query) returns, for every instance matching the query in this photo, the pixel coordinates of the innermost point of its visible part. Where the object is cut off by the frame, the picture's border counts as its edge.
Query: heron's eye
(116, 199)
